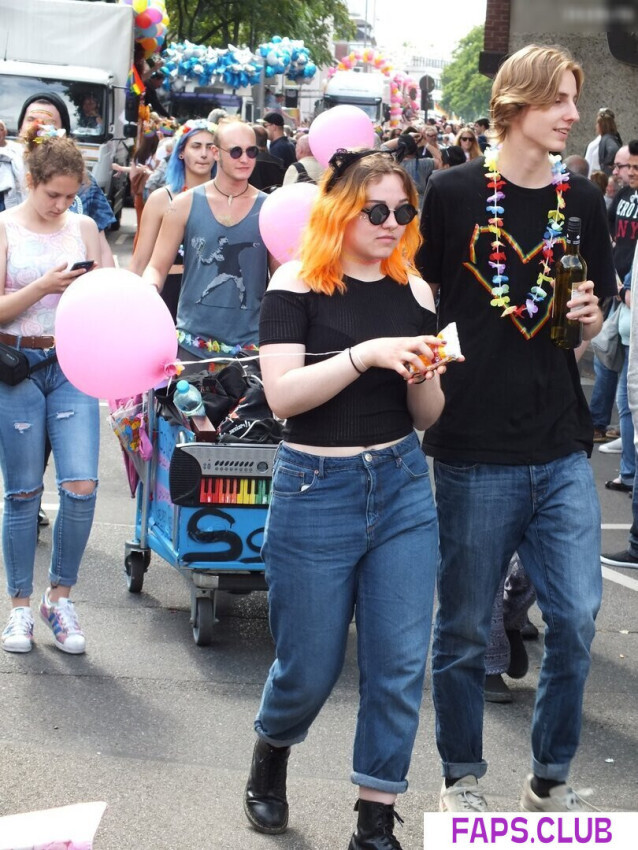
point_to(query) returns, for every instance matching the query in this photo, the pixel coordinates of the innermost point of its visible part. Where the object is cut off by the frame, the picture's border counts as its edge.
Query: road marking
(121, 239)
(615, 526)
(619, 578)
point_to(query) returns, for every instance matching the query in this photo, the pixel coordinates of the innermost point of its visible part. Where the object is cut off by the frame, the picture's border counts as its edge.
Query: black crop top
(373, 408)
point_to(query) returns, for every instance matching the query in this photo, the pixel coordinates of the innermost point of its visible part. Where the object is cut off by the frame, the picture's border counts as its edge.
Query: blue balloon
(270, 71)
(276, 39)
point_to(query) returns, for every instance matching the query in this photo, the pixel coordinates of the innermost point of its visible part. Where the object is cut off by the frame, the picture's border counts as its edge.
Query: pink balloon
(342, 126)
(113, 334)
(283, 217)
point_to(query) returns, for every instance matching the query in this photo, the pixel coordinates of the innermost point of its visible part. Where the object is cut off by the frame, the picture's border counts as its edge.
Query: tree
(466, 92)
(222, 22)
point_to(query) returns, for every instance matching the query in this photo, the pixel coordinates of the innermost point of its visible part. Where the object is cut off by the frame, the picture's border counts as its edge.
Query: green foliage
(251, 22)
(466, 92)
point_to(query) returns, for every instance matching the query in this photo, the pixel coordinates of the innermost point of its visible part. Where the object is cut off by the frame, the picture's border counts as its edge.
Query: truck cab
(359, 89)
(37, 40)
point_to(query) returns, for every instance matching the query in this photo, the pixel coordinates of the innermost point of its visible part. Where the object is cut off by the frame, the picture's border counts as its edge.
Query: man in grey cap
(280, 145)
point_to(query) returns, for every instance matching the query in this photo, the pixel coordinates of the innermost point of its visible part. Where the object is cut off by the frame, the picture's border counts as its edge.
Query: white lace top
(29, 256)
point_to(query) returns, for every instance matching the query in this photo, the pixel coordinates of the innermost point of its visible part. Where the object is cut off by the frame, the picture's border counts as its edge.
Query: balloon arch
(401, 84)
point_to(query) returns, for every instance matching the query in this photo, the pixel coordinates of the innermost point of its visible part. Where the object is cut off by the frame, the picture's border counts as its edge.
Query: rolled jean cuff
(557, 772)
(378, 784)
(277, 742)
(456, 771)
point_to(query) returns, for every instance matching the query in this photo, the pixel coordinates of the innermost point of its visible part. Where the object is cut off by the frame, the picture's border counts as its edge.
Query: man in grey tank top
(226, 264)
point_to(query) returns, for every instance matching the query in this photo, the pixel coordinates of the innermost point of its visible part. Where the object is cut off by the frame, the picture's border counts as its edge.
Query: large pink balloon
(283, 217)
(113, 334)
(340, 127)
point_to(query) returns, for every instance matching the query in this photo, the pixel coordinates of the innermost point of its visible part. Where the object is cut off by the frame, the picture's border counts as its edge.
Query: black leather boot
(375, 827)
(265, 801)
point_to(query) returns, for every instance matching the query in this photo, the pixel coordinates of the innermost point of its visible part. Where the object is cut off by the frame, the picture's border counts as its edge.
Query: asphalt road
(161, 729)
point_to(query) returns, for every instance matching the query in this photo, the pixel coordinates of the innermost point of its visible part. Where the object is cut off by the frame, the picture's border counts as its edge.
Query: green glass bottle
(569, 271)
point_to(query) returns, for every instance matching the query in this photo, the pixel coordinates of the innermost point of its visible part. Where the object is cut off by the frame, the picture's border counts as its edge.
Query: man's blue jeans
(46, 403)
(628, 455)
(602, 396)
(550, 514)
(351, 534)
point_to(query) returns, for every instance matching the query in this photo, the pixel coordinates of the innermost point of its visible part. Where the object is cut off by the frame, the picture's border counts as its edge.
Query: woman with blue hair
(189, 165)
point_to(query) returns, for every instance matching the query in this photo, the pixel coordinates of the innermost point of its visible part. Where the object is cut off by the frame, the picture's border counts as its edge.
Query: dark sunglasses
(467, 138)
(236, 152)
(378, 213)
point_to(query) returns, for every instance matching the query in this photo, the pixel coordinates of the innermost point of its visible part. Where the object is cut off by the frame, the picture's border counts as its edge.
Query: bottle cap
(182, 386)
(573, 226)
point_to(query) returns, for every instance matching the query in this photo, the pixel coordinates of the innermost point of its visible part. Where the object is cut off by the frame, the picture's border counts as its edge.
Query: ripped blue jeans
(45, 404)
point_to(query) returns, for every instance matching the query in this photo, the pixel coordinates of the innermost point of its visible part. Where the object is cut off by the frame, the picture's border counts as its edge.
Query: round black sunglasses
(378, 213)
(235, 152)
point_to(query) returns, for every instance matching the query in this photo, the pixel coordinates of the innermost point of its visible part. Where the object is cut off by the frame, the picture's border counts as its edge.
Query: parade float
(200, 77)
(77, 51)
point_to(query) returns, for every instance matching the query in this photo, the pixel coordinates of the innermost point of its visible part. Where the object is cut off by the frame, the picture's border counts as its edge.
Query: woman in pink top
(39, 242)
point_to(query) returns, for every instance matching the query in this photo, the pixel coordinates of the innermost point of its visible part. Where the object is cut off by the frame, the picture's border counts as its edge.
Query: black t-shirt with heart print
(517, 399)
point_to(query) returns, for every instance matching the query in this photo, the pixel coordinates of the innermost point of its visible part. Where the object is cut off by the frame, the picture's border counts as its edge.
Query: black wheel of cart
(135, 565)
(204, 621)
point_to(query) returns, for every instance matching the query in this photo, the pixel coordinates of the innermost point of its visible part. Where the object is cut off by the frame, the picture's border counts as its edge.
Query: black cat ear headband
(342, 159)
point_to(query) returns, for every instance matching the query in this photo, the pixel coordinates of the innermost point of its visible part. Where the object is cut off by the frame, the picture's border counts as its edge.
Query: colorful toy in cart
(202, 506)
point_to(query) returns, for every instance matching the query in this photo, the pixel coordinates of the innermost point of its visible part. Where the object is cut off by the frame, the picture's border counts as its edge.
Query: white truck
(365, 90)
(83, 52)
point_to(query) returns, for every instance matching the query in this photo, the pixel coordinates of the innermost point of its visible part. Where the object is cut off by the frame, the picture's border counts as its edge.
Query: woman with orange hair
(352, 526)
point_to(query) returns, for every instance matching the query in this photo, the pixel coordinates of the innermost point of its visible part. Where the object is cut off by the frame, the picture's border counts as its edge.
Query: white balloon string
(229, 359)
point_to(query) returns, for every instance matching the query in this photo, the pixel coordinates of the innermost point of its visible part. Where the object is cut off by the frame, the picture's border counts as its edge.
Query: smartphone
(87, 265)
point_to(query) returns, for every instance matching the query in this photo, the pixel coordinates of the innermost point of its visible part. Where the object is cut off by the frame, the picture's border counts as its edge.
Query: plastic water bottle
(188, 399)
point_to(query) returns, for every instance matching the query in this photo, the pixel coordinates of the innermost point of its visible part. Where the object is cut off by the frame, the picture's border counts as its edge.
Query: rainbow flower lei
(555, 222)
(213, 346)
(48, 131)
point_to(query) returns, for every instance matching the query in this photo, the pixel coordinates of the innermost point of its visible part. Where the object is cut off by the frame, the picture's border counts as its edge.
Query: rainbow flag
(134, 82)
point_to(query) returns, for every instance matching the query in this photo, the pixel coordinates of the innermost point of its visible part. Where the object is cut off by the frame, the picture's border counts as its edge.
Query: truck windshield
(198, 103)
(370, 107)
(86, 102)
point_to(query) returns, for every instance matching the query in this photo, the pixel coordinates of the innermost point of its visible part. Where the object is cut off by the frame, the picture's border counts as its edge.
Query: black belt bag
(15, 366)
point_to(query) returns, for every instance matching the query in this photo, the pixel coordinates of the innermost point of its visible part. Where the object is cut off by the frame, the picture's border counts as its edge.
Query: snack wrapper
(443, 353)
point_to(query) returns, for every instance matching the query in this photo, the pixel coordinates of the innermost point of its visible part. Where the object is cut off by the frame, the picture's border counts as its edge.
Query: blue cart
(202, 507)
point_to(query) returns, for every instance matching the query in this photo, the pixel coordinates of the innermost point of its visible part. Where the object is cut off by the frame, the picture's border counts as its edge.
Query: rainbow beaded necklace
(553, 231)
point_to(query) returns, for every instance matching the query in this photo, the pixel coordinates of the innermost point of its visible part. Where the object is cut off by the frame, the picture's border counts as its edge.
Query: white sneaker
(612, 448)
(61, 618)
(464, 796)
(18, 635)
(562, 798)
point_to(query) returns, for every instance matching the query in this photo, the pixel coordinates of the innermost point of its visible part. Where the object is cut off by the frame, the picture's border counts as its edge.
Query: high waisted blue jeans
(550, 514)
(355, 534)
(45, 404)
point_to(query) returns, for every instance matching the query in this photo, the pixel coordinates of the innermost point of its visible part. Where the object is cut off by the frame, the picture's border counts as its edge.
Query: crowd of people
(424, 230)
